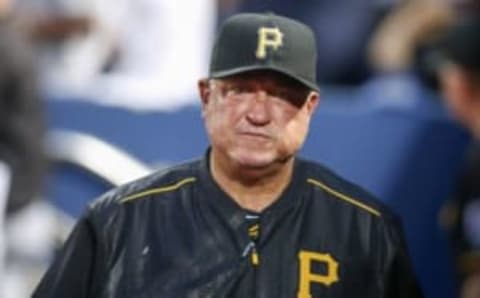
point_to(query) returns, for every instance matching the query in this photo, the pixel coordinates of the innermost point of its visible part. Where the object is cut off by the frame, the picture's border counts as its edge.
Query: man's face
(257, 118)
(461, 92)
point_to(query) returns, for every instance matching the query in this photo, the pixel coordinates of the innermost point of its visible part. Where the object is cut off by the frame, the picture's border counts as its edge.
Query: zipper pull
(254, 257)
(251, 250)
(253, 232)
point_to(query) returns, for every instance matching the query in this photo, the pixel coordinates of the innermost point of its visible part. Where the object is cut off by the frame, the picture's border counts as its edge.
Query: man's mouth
(255, 134)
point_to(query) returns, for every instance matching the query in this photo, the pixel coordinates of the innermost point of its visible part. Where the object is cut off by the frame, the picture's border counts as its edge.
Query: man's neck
(252, 189)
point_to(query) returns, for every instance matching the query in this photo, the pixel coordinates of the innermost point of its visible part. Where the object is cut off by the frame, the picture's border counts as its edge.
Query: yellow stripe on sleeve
(344, 197)
(159, 190)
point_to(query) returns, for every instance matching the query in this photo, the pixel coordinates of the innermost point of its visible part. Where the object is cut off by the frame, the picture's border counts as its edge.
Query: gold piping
(344, 197)
(158, 190)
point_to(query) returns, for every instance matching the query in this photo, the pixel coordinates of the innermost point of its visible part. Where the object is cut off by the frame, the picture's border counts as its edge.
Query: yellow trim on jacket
(344, 197)
(159, 190)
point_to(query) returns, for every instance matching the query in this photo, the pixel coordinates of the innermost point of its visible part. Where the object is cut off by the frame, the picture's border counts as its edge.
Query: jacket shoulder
(155, 184)
(324, 179)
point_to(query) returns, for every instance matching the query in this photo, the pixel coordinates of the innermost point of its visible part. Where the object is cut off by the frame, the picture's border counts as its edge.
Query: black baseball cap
(461, 44)
(254, 41)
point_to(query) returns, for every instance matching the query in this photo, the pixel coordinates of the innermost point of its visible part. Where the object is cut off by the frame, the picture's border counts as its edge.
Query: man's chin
(257, 161)
(253, 159)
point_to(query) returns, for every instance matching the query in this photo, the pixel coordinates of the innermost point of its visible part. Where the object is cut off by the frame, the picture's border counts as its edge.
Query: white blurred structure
(95, 156)
(69, 63)
(33, 234)
(164, 49)
(161, 49)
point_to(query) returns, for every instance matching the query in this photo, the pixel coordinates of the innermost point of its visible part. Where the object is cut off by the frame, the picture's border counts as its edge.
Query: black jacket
(177, 234)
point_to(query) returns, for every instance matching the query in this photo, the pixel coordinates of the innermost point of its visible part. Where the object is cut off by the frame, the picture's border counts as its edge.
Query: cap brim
(238, 70)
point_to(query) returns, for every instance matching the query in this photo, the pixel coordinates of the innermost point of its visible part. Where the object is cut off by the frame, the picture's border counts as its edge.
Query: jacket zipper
(253, 234)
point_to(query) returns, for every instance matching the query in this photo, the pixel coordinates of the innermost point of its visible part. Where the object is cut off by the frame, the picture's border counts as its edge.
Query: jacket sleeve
(401, 281)
(75, 270)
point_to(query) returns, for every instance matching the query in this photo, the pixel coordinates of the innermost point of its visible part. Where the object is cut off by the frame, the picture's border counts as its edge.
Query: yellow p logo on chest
(268, 37)
(307, 277)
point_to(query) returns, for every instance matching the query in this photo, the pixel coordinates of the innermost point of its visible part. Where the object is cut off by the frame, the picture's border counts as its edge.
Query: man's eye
(233, 90)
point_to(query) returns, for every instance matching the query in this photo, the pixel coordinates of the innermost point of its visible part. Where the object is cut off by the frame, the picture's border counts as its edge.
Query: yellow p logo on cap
(268, 37)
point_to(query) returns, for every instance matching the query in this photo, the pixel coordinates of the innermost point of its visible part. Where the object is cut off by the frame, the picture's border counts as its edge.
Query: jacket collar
(233, 215)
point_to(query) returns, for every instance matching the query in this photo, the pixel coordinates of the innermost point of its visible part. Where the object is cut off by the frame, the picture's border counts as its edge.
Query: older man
(250, 218)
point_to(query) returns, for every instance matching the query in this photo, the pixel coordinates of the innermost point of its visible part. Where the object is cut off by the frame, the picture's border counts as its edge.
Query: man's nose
(258, 112)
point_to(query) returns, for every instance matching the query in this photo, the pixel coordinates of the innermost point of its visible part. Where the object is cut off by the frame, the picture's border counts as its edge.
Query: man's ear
(204, 91)
(312, 102)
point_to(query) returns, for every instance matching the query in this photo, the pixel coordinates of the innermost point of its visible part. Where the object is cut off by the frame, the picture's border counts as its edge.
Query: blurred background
(95, 93)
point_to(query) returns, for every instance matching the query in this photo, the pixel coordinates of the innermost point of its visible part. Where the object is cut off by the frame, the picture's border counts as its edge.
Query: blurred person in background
(129, 53)
(402, 53)
(23, 162)
(406, 47)
(21, 115)
(73, 43)
(154, 66)
(402, 41)
(460, 81)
